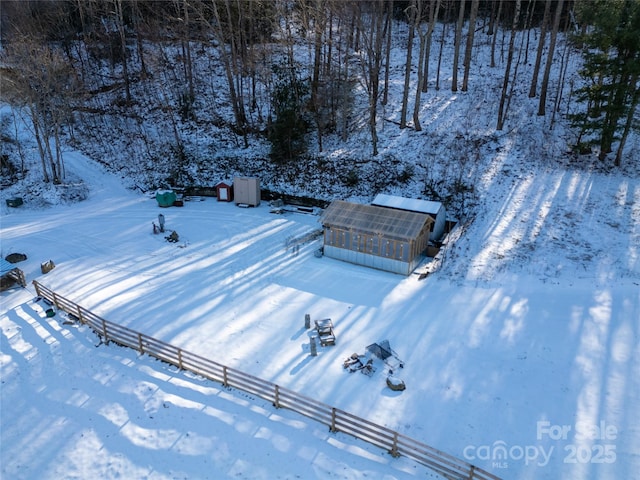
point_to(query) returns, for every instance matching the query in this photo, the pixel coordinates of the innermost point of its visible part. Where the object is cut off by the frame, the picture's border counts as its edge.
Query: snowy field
(534, 355)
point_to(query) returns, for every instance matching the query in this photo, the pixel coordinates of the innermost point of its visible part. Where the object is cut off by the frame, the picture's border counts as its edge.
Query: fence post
(276, 402)
(225, 380)
(180, 359)
(79, 310)
(332, 427)
(104, 331)
(55, 300)
(394, 447)
(37, 287)
(140, 347)
(312, 346)
(471, 472)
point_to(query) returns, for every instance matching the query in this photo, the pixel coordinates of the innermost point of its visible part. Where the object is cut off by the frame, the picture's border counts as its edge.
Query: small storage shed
(377, 237)
(432, 208)
(224, 192)
(246, 191)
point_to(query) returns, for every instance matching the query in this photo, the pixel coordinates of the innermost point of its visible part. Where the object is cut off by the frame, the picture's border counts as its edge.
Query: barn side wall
(372, 261)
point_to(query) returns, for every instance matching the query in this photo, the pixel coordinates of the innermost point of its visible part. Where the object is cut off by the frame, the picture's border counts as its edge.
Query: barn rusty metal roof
(388, 222)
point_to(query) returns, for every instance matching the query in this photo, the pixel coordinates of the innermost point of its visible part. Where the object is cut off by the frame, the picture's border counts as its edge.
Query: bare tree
(387, 62)
(371, 24)
(547, 68)
(413, 17)
(541, 42)
(317, 100)
(228, 56)
(633, 110)
(119, 17)
(495, 34)
(507, 72)
(456, 46)
(434, 10)
(441, 48)
(469, 46)
(425, 44)
(38, 78)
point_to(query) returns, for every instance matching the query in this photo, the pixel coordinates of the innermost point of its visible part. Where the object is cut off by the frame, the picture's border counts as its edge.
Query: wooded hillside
(192, 91)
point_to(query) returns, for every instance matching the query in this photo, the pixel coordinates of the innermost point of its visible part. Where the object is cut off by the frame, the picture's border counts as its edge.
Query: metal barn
(435, 209)
(377, 237)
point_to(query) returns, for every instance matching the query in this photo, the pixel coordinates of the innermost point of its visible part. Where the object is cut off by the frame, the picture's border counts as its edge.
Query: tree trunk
(407, 70)
(442, 37)
(387, 63)
(495, 36)
(456, 46)
(186, 46)
(541, 42)
(374, 39)
(416, 105)
(547, 68)
(137, 18)
(226, 59)
(123, 49)
(469, 46)
(319, 26)
(507, 72)
(39, 141)
(433, 17)
(564, 63)
(629, 121)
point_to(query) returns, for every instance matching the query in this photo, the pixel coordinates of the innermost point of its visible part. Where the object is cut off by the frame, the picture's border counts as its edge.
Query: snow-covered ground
(534, 353)
(521, 351)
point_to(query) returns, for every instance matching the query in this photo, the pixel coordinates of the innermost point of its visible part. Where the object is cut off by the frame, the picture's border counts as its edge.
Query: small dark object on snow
(14, 202)
(47, 266)
(395, 384)
(354, 359)
(173, 238)
(384, 352)
(15, 257)
(354, 363)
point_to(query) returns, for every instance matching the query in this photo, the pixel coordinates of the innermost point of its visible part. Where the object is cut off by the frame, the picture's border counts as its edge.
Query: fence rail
(337, 420)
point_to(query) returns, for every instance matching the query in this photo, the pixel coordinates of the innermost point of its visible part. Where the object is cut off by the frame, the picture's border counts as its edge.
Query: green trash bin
(165, 198)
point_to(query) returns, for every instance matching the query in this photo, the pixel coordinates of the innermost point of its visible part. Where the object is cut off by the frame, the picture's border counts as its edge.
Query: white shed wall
(372, 261)
(246, 190)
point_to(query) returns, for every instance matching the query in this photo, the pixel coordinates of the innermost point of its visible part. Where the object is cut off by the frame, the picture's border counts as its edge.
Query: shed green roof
(387, 222)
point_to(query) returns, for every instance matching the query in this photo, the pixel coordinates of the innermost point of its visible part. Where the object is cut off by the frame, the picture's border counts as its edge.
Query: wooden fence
(337, 420)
